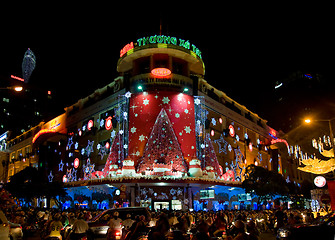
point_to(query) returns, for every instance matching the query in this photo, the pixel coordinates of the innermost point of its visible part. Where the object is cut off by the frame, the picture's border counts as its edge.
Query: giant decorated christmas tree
(162, 152)
(115, 158)
(210, 159)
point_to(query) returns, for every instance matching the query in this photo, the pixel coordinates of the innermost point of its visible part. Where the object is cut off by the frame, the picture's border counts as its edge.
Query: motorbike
(114, 234)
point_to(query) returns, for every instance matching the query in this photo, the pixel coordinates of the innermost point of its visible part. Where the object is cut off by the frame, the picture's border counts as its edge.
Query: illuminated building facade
(159, 133)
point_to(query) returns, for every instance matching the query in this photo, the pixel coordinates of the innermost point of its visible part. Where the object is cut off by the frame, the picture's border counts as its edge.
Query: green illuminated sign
(169, 40)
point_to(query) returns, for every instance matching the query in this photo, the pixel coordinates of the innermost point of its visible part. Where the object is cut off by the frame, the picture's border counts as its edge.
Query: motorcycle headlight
(283, 233)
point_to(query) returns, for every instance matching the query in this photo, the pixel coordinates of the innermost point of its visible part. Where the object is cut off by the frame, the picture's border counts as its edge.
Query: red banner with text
(331, 190)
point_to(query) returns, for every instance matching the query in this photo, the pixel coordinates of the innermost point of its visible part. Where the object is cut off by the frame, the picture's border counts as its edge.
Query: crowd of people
(228, 224)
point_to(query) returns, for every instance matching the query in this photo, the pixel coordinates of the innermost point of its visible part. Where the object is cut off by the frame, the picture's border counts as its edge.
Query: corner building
(158, 136)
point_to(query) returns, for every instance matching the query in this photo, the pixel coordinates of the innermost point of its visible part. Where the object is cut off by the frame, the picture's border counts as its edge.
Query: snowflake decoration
(197, 101)
(89, 148)
(145, 102)
(102, 151)
(172, 191)
(102, 123)
(128, 94)
(213, 121)
(166, 100)
(113, 133)
(141, 138)
(133, 130)
(187, 129)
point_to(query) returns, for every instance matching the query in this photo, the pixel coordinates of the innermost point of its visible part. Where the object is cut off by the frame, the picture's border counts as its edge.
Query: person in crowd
(139, 228)
(56, 226)
(115, 225)
(202, 231)
(161, 229)
(79, 228)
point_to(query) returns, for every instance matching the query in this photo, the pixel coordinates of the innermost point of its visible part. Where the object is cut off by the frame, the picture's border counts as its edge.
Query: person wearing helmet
(79, 228)
(115, 226)
(128, 222)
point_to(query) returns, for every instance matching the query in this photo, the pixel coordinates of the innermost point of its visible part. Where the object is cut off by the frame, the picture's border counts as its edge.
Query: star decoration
(177, 115)
(186, 111)
(166, 100)
(60, 165)
(197, 101)
(145, 102)
(50, 177)
(221, 141)
(187, 129)
(69, 143)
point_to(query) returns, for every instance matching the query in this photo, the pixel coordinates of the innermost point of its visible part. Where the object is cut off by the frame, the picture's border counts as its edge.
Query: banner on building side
(331, 190)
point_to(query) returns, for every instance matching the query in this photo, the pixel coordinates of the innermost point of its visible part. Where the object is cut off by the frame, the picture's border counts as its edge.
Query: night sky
(246, 49)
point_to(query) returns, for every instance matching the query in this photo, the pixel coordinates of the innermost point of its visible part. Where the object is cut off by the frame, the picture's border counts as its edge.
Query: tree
(264, 183)
(162, 147)
(30, 183)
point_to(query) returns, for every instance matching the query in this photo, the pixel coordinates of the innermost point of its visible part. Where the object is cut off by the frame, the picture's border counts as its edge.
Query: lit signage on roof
(161, 72)
(126, 48)
(169, 40)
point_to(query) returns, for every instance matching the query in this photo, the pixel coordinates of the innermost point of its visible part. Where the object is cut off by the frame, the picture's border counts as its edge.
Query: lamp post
(15, 88)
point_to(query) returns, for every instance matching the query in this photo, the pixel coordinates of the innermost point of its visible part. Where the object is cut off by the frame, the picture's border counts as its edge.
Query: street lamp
(15, 88)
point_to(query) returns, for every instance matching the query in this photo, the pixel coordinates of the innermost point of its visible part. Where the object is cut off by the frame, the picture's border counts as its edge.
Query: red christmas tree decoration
(162, 154)
(210, 157)
(116, 155)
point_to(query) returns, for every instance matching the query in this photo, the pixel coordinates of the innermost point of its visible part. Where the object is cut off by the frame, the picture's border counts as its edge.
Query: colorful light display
(161, 72)
(320, 181)
(108, 123)
(162, 39)
(231, 130)
(126, 48)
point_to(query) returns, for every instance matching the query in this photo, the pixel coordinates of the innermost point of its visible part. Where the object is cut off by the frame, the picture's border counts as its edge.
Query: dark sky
(246, 49)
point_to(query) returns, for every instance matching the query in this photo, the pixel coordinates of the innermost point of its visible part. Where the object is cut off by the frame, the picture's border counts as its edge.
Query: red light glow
(161, 72)
(17, 78)
(231, 131)
(126, 48)
(76, 163)
(108, 123)
(90, 125)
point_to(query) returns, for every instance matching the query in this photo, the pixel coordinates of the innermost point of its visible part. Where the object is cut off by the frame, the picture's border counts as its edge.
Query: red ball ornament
(108, 123)
(90, 125)
(76, 163)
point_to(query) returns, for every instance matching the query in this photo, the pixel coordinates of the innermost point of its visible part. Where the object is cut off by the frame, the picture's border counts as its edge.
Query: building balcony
(149, 82)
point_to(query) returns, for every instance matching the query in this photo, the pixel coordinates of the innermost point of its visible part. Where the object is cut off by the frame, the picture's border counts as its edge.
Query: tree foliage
(264, 183)
(30, 183)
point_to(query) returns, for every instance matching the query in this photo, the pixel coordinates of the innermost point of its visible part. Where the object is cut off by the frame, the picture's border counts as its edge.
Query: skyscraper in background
(28, 64)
